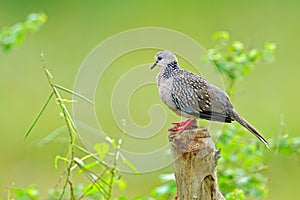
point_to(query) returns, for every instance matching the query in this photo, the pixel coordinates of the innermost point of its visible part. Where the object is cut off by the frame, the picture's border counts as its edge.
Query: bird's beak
(154, 64)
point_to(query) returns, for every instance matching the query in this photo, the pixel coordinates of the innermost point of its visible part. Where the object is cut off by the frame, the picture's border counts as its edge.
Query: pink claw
(187, 123)
(181, 123)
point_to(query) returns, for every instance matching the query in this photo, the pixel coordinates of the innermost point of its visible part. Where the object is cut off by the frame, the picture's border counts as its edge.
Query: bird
(193, 97)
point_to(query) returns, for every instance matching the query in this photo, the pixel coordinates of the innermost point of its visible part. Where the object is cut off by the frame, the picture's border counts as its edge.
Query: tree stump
(195, 161)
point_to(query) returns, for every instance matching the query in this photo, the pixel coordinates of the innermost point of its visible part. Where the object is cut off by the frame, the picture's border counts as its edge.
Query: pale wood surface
(195, 161)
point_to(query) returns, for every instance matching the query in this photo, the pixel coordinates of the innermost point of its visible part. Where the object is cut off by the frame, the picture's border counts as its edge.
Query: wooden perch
(195, 161)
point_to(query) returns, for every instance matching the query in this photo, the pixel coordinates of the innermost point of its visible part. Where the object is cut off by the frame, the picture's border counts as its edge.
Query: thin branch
(112, 177)
(104, 180)
(94, 178)
(71, 129)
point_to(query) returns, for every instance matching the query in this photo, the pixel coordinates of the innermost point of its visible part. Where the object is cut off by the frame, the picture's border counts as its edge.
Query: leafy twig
(14, 35)
(234, 61)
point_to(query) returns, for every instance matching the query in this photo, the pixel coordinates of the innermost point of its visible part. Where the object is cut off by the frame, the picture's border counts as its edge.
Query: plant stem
(71, 129)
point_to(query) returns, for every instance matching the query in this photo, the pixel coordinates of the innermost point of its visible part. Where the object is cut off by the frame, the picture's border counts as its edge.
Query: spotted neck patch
(171, 67)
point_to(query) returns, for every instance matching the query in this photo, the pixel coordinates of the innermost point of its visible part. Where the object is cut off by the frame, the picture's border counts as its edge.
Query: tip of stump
(189, 140)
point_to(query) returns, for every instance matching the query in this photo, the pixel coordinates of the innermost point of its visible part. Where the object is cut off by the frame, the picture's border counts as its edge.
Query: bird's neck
(169, 70)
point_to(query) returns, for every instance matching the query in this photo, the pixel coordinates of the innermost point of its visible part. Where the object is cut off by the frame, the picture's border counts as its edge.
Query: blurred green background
(74, 28)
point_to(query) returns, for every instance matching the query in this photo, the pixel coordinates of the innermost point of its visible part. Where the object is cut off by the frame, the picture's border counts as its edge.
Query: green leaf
(237, 46)
(74, 93)
(52, 135)
(102, 149)
(221, 35)
(237, 194)
(26, 193)
(122, 184)
(35, 21)
(287, 145)
(268, 52)
(242, 58)
(270, 46)
(39, 115)
(254, 55)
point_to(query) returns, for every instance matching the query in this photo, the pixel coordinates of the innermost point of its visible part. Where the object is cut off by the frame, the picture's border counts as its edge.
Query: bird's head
(163, 58)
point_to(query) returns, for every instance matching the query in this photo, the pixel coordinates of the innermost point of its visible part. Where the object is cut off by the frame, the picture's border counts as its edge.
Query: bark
(195, 161)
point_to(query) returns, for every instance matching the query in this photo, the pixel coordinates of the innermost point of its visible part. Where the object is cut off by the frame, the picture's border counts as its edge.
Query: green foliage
(99, 167)
(101, 149)
(240, 168)
(287, 145)
(234, 60)
(32, 193)
(236, 194)
(241, 163)
(14, 35)
(24, 193)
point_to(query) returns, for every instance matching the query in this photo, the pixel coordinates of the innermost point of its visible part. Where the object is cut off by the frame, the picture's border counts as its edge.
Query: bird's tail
(248, 126)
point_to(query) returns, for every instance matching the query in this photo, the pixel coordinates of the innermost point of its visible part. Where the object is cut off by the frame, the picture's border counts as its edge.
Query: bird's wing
(191, 94)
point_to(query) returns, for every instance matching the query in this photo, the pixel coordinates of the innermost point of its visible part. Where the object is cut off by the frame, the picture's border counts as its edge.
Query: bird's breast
(164, 89)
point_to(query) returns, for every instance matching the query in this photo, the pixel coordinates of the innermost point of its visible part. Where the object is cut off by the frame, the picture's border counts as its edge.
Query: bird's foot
(181, 123)
(186, 124)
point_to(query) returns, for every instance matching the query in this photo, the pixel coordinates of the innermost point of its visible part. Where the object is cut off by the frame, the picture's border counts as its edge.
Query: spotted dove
(191, 96)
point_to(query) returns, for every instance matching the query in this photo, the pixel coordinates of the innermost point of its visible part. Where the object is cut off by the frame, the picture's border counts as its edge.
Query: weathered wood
(195, 161)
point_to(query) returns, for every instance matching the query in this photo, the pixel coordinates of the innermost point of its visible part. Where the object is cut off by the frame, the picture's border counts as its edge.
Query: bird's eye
(159, 58)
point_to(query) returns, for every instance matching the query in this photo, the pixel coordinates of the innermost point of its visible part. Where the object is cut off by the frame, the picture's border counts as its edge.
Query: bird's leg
(187, 124)
(181, 123)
